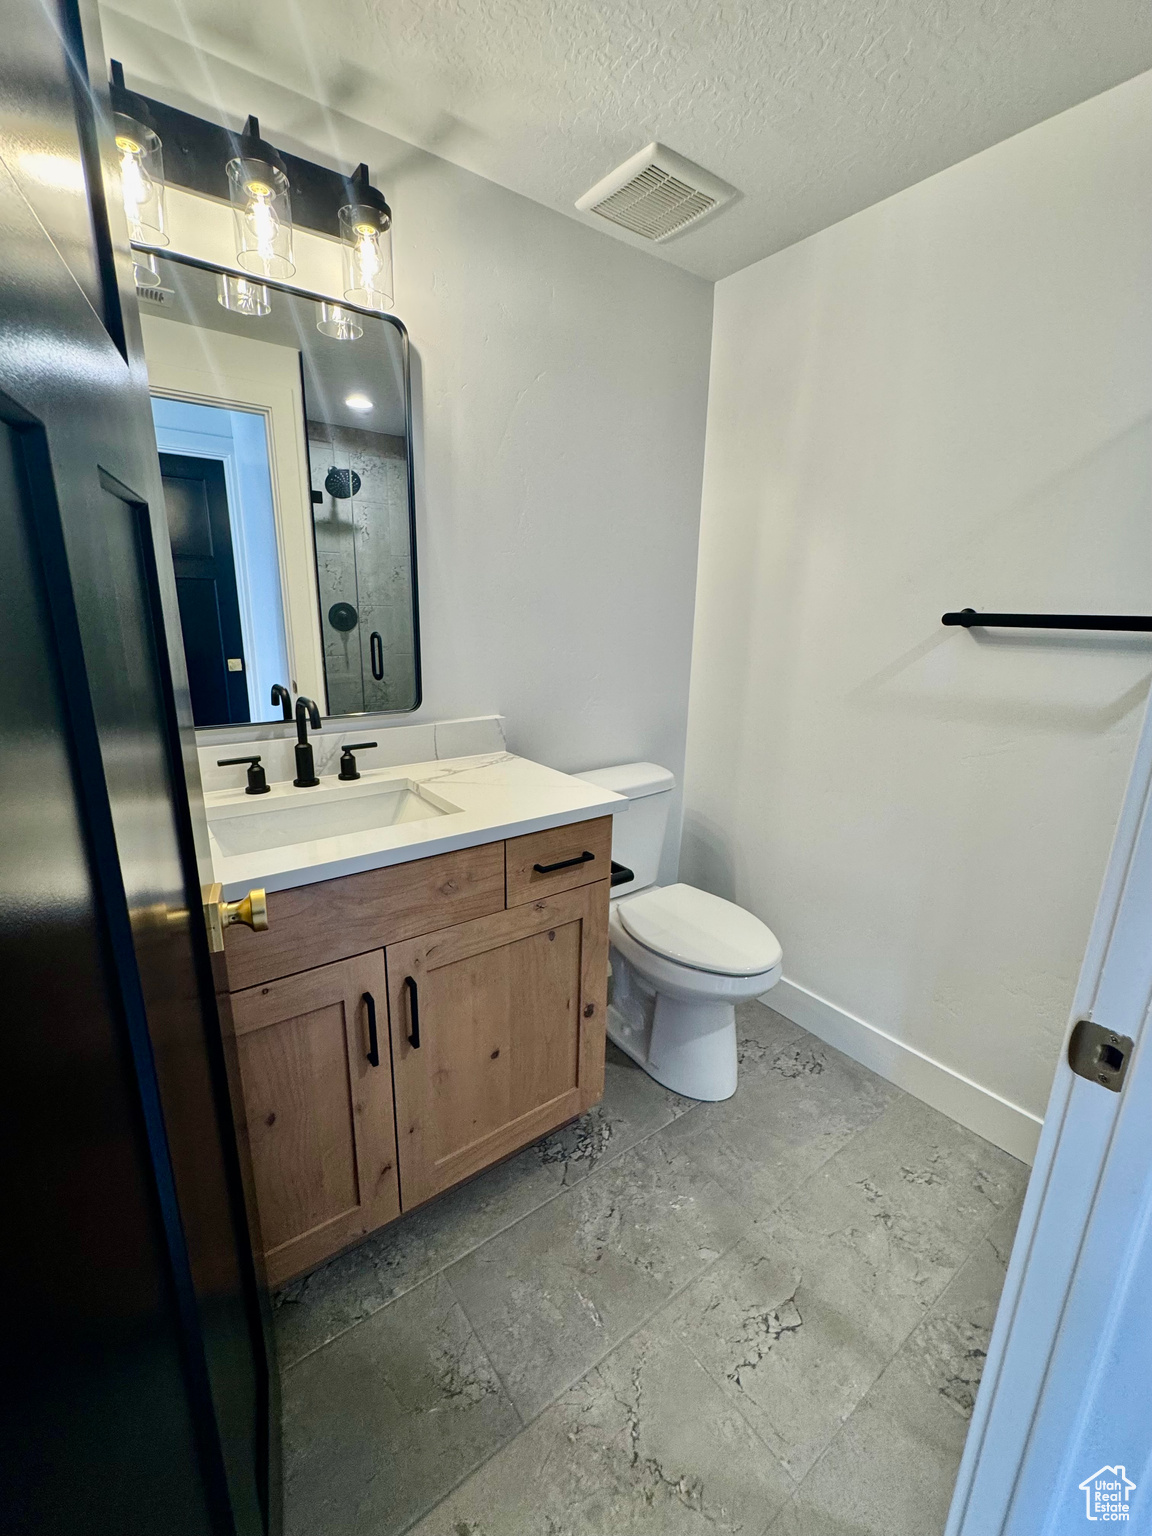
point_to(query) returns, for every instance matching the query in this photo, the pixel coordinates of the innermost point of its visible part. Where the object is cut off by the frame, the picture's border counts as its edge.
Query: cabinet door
(511, 1034)
(319, 1110)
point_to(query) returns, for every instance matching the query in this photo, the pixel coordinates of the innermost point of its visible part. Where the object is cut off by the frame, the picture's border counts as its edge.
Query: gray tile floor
(766, 1316)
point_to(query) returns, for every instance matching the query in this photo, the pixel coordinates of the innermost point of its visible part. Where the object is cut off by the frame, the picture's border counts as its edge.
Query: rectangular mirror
(284, 428)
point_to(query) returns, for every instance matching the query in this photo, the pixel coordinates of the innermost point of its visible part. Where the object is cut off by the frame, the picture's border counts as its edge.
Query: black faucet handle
(257, 779)
(348, 768)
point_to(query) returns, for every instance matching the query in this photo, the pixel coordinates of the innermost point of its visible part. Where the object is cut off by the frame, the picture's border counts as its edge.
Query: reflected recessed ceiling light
(358, 402)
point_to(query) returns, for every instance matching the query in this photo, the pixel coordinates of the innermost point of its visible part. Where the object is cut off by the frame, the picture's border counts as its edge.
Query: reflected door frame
(243, 374)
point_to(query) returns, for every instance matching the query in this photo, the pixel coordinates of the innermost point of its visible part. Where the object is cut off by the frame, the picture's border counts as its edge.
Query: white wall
(561, 396)
(945, 401)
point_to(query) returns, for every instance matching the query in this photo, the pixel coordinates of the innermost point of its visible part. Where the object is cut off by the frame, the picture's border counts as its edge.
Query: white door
(1061, 1438)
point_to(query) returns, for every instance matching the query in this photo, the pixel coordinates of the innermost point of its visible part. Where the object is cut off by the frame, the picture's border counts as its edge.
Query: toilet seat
(694, 928)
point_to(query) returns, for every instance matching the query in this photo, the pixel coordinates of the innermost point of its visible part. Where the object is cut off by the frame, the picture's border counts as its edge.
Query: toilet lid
(700, 930)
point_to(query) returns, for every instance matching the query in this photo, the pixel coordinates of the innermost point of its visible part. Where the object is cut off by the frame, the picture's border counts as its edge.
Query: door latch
(251, 910)
(1099, 1054)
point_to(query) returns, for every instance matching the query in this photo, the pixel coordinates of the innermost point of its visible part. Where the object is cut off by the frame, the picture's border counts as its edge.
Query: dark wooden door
(137, 1392)
(196, 503)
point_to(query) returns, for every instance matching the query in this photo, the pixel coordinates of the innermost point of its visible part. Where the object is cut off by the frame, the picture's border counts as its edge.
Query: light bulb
(265, 224)
(358, 402)
(368, 255)
(136, 182)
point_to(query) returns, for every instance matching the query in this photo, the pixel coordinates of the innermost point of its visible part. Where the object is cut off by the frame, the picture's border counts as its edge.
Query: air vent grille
(654, 204)
(656, 194)
(161, 297)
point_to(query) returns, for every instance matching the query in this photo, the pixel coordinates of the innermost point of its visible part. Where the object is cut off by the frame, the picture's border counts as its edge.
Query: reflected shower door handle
(376, 654)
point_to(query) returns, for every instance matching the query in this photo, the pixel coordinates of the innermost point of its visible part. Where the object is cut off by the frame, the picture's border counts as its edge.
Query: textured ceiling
(812, 108)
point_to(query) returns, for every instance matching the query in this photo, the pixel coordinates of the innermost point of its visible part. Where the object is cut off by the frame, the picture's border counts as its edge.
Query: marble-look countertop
(493, 795)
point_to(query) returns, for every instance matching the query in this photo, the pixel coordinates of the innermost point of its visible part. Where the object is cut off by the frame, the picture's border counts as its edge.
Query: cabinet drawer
(334, 919)
(543, 863)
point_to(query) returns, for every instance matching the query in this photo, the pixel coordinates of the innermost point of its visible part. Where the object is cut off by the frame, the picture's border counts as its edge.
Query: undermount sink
(333, 813)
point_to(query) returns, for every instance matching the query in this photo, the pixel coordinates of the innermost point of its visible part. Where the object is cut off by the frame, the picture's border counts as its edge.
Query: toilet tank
(637, 828)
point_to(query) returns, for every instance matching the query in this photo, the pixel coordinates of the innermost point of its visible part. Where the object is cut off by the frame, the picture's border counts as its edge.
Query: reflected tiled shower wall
(363, 561)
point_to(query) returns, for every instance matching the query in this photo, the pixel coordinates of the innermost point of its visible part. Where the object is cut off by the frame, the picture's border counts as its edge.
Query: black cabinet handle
(376, 654)
(413, 1011)
(581, 858)
(373, 1039)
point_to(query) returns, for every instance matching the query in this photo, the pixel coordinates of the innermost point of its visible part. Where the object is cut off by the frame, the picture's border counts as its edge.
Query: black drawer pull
(413, 1011)
(373, 1039)
(548, 869)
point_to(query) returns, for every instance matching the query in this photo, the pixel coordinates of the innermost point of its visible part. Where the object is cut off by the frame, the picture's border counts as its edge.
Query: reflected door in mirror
(196, 502)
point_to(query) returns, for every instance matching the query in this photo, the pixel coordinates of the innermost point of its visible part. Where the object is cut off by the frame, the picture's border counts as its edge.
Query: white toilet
(681, 959)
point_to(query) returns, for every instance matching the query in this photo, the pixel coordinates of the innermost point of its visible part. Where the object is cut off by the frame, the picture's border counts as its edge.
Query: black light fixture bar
(196, 153)
(968, 618)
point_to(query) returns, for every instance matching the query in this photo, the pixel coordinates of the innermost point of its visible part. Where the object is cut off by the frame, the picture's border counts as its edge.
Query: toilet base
(689, 1047)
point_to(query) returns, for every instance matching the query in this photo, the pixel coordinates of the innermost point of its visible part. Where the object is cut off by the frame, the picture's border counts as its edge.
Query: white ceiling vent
(656, 194)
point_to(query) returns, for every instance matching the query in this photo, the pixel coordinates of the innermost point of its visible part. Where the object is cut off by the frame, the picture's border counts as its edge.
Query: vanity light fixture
(270, 191)
(358, 402)
(338, 322)
(261, 207)
(242, 296)
(366, 233)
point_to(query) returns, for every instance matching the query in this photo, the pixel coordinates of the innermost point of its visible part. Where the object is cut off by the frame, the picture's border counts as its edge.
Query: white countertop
(493, 796)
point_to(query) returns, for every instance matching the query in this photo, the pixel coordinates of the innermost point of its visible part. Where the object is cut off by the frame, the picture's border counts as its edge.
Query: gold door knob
(251, 910)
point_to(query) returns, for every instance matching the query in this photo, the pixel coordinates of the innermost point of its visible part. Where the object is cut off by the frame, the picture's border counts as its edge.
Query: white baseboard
(998, 1120)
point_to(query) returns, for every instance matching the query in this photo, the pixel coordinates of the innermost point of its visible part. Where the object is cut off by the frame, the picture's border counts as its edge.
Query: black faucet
(305, 766)
(281, 696)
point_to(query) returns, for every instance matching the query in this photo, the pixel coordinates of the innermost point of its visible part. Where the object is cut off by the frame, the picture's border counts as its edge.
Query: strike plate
(1099, 1054)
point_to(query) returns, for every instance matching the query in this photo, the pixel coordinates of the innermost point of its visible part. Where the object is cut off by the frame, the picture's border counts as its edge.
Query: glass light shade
(141, 180)
(243, 297)
(262, 212)
(145, 270)
(337, 322)
(367, 236)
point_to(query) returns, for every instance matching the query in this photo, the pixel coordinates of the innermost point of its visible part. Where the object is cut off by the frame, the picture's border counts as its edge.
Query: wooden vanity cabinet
(504, 971)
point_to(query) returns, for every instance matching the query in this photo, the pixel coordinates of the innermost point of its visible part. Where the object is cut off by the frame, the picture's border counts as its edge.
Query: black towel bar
(970, 619)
